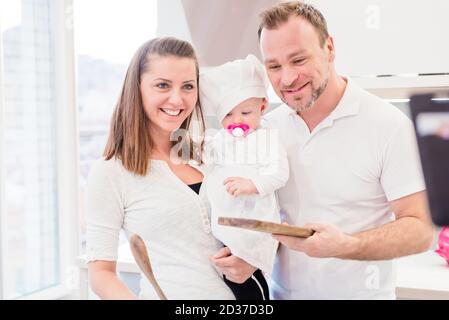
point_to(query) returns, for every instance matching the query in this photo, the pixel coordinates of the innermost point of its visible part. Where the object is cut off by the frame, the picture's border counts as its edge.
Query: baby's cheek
(225, 123)
(254, 122)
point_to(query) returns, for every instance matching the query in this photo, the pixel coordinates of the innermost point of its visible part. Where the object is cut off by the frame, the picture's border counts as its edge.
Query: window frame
(2, 172)
(66, 144)
(66, 120)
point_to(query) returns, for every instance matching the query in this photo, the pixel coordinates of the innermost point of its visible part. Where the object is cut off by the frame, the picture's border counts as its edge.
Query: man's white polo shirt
(344, 172)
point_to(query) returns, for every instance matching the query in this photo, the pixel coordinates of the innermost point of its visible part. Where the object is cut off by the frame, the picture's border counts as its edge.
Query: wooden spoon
(140, 253)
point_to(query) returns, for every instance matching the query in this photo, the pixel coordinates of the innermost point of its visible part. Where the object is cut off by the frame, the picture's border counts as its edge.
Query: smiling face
(249, 112)
(169, 92)
(298, 66)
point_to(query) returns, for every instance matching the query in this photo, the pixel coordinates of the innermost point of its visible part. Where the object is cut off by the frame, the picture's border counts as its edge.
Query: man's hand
(411, 233)
(236, 186)
(234, 268)
(327, 242)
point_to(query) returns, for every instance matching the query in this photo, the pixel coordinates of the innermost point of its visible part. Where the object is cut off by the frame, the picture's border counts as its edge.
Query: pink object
(443, 244)
(238, 129)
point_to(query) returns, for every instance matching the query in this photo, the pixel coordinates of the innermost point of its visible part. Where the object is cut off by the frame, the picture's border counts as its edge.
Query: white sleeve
(104, 211)
(401, 169)
(274, 175)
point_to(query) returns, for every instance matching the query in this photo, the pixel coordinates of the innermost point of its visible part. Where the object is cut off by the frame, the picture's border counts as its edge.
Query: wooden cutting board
(265, 226)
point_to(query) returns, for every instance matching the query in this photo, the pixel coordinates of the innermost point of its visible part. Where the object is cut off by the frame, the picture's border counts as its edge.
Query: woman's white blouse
(168, 215)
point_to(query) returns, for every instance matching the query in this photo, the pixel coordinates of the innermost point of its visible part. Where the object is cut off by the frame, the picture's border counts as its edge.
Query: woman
(142, 187)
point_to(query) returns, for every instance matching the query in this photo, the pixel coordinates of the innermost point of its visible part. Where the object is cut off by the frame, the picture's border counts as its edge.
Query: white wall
(172, 20)
(372, 37)
(388, 36)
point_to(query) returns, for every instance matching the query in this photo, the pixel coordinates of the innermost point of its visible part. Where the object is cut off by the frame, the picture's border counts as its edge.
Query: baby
(248, 165)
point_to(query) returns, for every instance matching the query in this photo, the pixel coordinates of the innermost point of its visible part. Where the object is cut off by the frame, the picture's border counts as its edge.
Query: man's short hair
(273, 17)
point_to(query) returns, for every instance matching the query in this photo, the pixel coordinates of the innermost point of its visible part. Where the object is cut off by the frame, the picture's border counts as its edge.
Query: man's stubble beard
(299, 107)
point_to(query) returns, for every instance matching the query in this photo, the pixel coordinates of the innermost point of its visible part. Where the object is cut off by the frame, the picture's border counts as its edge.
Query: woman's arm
(104, 281)
(104, 217)
(234, 268)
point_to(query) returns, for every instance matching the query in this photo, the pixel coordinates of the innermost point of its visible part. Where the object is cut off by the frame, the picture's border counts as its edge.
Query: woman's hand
(236, 186)
(234, 268)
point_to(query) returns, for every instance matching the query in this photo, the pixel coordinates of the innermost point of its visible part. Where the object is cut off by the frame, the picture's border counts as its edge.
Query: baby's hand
(236, 186)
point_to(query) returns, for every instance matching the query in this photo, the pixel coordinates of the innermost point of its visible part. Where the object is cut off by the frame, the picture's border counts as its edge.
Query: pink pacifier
(443, 244)
(238, 130)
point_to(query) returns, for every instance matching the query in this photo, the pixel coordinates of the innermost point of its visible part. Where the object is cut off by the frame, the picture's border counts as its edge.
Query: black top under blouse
(196, 187)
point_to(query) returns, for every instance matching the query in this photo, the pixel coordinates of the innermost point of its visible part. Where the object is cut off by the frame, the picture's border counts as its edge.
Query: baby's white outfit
(260, 157)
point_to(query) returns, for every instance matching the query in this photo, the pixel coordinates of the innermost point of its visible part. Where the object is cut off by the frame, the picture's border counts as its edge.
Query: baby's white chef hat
(223, 87)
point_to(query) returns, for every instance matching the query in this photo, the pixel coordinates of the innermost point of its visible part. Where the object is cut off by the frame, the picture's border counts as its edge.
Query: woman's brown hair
(129, 138)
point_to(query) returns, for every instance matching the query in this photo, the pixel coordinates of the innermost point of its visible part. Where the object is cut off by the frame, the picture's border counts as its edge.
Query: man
(355, 176)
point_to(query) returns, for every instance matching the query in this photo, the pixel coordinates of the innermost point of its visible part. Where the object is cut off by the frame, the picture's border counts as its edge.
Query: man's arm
(411, 232)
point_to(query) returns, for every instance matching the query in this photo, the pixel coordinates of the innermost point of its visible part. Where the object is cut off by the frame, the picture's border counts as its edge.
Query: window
(103, 52)
(29, 144)
(33, 250)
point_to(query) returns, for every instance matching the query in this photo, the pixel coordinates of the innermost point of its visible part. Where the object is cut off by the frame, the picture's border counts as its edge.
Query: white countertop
(420, 276)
